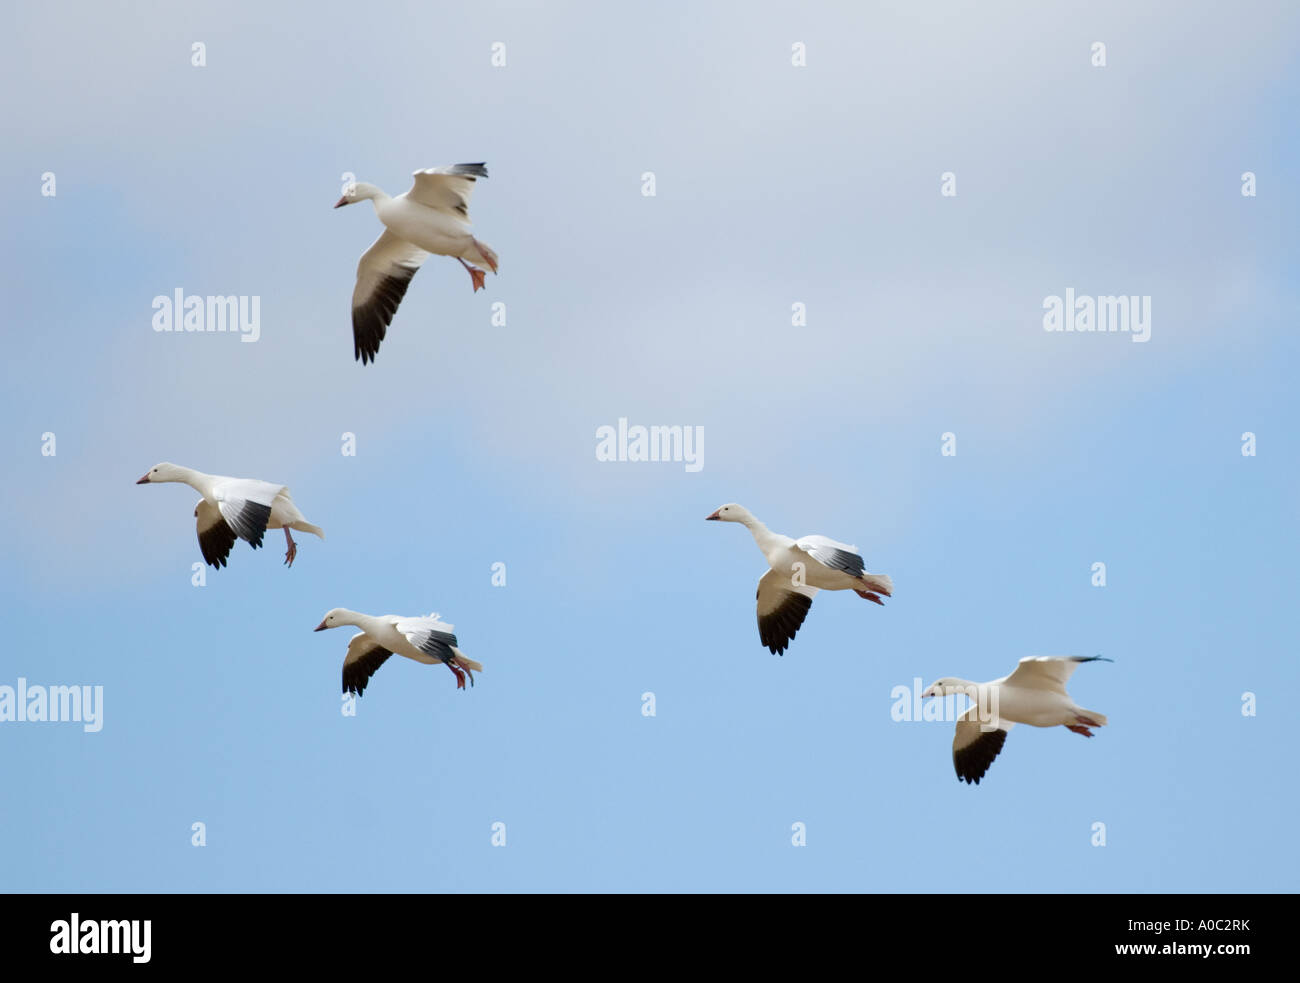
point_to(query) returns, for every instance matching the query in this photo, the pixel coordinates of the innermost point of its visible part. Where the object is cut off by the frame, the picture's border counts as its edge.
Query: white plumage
(1034, 694)
(799, 569)
(427, 640)
(235, 508)
(432, 217)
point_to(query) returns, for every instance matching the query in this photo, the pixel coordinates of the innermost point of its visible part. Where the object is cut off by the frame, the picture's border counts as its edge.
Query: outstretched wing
(1048, 672)
(430, 635)
(447, 189)
(833, 555)
(383, 274)
(245, 505)
(363, 660)
(216, 539)
(782, 606)
(974, 748)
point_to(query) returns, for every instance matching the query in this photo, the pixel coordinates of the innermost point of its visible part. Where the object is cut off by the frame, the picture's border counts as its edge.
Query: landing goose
(428, 640)
(1034, 694)
(800, 568)
(433, 217)
(235, 508)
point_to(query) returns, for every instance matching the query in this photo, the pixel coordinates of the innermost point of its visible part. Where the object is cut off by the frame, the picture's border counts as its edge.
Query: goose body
(799, 568)
(432, 218)
(235, 508)
(1034, 694)
(427, 640)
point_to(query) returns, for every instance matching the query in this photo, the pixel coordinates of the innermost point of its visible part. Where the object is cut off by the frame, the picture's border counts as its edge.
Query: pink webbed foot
(293, 548)
(870, 596)
(1079, 729)
(458, 672)
(476, 275)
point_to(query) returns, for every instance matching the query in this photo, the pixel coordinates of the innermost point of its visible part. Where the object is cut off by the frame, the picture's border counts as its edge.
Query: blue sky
(775, 185)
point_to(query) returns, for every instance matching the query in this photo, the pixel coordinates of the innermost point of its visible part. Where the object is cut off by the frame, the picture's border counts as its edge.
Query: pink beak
(341, 202)
(144, 480)
(713, 516)
(321, 627)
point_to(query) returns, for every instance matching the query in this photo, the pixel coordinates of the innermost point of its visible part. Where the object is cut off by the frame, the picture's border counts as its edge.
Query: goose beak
(714, 516)
(341, 202)
(144, 480)
(321, 627)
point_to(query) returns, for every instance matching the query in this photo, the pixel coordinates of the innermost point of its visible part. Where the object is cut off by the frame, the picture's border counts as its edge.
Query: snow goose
(1034, 694)
(427, 640)
(236, 508)
(433, 217)
(800, 568)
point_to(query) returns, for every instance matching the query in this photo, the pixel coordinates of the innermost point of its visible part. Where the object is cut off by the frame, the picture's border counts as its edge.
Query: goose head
(731, 512)
(336, 617)
(166, 471)
(947, 686)
(357, 191)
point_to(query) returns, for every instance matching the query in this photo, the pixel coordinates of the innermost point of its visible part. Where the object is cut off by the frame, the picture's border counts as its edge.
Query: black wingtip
(370, 321)
(363, 353)
(777, 630)
(972, 762)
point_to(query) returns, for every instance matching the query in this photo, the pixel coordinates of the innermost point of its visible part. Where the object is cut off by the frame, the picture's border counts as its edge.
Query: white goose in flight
(235, 508)
(800, 568)
(433, 217)
(428, 640)
(1034, 694)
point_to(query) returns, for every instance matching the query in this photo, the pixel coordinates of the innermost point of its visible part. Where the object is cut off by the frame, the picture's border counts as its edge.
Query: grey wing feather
(438, 644)
(833, 555)
(247, 520)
